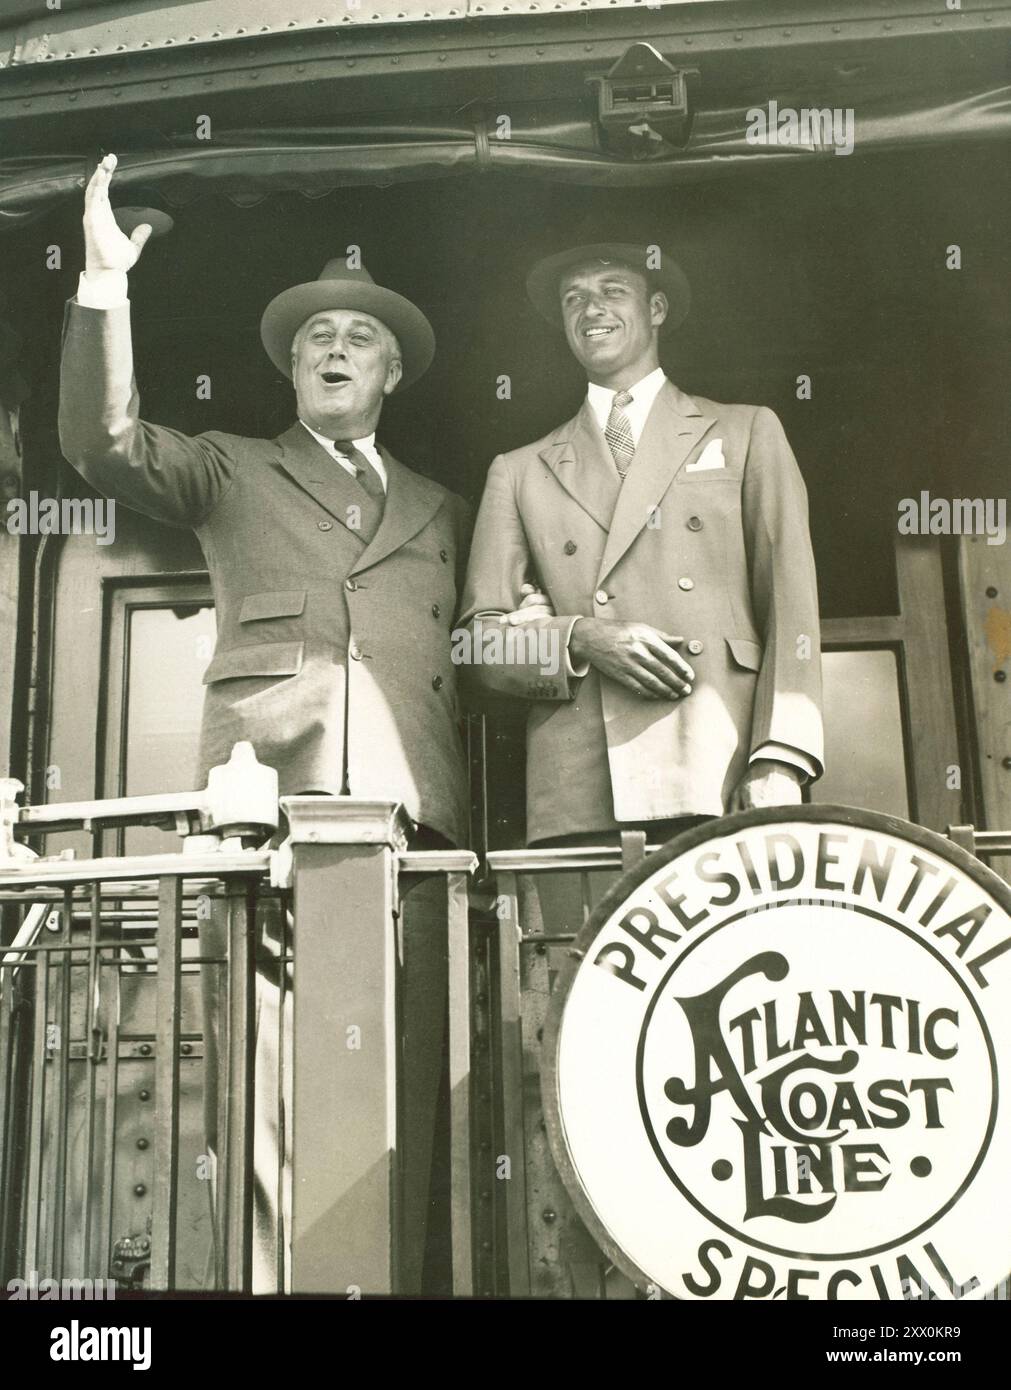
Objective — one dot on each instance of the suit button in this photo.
(696, 647)
(325, 525)
(444, 556)
(436, 682)
(435, 610)
(686, 583)
(351, 585)
(569, 547)
(355, 652)
(695, 523)
(600, 596)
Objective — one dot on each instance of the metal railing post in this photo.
(510, 1042)
(239, 1101)
(166, 1088)
(345, 1176)
(460, 1120)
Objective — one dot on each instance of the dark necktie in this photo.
(618, 432)
(367, 514)
(366, 475)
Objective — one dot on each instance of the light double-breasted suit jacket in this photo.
(707, 539)
(333, 651)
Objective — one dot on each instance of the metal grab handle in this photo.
(13, 955)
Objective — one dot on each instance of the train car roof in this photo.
(318, 94)
(77, 29)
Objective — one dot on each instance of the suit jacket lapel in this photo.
(305, 459)
(581, 461)
(673, 428)
(411, 502)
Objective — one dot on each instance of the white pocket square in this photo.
(710, 457)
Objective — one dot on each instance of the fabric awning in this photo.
(249, 165)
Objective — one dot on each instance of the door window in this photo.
(160, 642)
(865, 751)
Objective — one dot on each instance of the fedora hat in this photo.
(340, 287)
(543, 281)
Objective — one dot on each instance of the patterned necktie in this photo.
(618, 432)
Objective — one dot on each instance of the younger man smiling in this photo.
(670, 536)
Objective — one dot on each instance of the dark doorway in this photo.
(835, 272)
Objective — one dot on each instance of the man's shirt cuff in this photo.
(573, 671)
(783, 753)
(106, 289)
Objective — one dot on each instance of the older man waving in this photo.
(335, 572)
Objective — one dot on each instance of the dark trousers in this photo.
(567, 898)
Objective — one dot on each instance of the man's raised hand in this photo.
(106, 247)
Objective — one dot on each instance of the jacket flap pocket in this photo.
(708, 475)
(263, 659)
(284, 605)
(746, 652)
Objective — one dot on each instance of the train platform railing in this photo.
(984, 844)
(115, 1069)
(541, 899)
(105, 1165)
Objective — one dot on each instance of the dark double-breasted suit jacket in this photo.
(332, 659)
(707, 539)
(333, 647)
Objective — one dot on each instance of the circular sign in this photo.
(772, 1063)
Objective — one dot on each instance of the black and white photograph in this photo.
(505, 624)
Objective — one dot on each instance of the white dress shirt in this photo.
(366, 447)
(105, 289)
(643, 393)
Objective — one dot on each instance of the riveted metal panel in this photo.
(98, 30)
(95, 1183)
